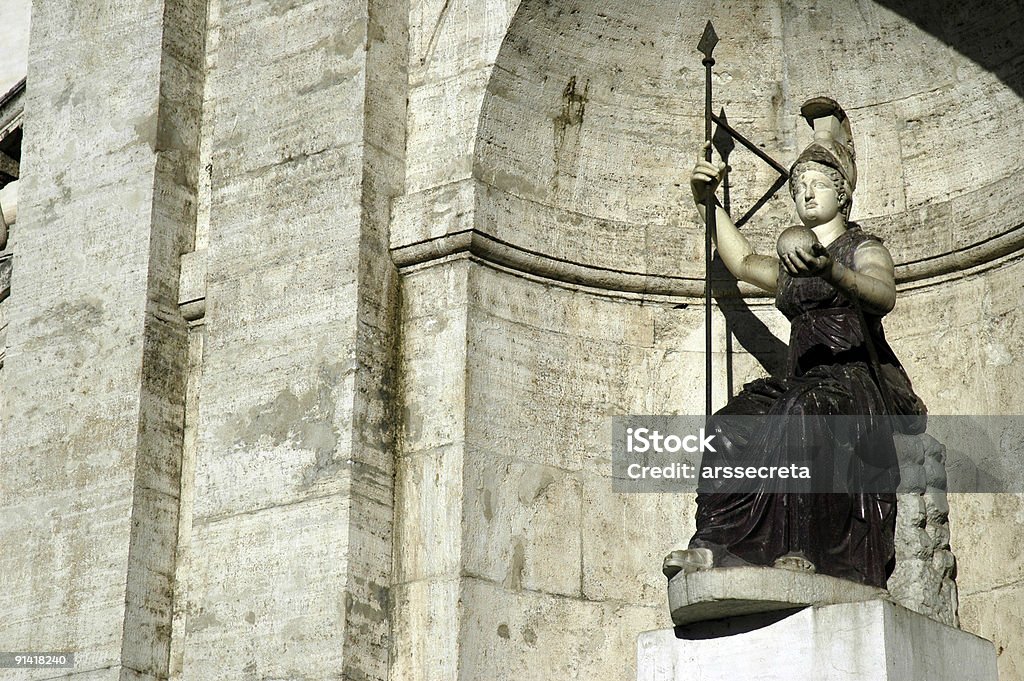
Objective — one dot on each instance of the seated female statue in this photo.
(834, 286)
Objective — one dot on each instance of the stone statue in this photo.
(8, 210)
(835, 283)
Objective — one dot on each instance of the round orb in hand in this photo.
(795, 237)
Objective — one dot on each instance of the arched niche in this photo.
(594, 112)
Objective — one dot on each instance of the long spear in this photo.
(707, 45)
(725, 144)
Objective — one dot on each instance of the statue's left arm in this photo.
(871, 281)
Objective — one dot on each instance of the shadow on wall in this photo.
(593, 111)
(745, 327)
(988, 33)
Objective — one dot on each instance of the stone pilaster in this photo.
(290, 542)
(94, 374)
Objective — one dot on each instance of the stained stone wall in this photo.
(14, 29)
(320, 312)
(14, 25)
(583, 277)
(288, 562)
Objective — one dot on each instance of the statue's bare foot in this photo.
(796, 562)
(687, 561)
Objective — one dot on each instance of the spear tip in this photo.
(722, 139)
(708, 40)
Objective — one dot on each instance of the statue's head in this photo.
(831, 153)
(820, 193)
(805, 174)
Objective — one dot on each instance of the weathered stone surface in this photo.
(514, 528)
(259, 612)
(429, 499)
(577, 137)
(434, 358)
(567, 182)
(14, 30)
(453, 46)
(985, 528)
(94, 372)
(536, 635)
(619, 534)
(428, 630)
(868, 641)
(192, 286)
(996, 614)
(297, 401)
(508, 391)
(458, 431)
(728, 592)
(923, 580)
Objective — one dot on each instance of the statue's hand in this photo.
(801, 263)
(705, 177)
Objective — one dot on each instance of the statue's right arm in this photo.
(734, 249)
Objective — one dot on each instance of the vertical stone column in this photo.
(290, 539)
(94, 380)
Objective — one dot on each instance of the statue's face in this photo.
(816, 198)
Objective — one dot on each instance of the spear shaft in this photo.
(707, 45)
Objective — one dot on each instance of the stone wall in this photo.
(289, 544)
(95, 369)
(512, 547)
(265, 416)
(321, 311)
(14, 28)
(960, 340)
(580, 296)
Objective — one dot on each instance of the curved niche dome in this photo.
(594, 116)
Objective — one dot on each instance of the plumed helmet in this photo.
(833, 138)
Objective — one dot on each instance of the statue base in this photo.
(874, 640)
(732, 591)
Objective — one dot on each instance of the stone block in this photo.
(614, 633)
(880, 192)
(525, 635)
(989, 524)
(257, 611)
(442, 123)
(559, 384)
(286, 446)
(868, 641)
(192, 286)
(623, 536)
(521, 524)
(261, 83)
(931, 118)
(563, 310)
(433, 367)
(427, 631)
(439, 288)
(433, 213)
(729, 592)
(936, 334)
(998, 615)
(81, 536)
(429, 502)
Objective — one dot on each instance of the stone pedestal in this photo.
(867, 641)
(729, 592)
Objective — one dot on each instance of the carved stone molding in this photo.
(192, 286)
(441, 222)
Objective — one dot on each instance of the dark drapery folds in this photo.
(848, 533)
